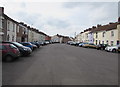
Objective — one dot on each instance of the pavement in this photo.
(62, 64)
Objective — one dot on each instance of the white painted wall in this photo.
(11, 30)
(55, 39)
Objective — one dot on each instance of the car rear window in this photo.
(2, 47)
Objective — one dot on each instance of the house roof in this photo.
(107, 27)
(10, 18)
(62, 36)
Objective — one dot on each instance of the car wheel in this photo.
(114, 50)
(9, 58)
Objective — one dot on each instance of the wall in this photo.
(90, 38)
(107, 37)
(55, 39)
(11, 30)
(118, 27)
(112, 38)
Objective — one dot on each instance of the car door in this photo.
(0, 52)
(3, 51)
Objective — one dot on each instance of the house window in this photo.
(86, 35)
(102, 42)
(118, 42)
(8, 37)
(23, 30)
(112, 42)
(96, 35)
(26, 31)
(112, 33)
(0, 22)
(8, 26)
(107, 42)
(103, 34)
(96, 42)
(99, 41)
(12, 38)
(13, 27)
(18, 29)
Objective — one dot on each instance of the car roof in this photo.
(7, 42)
(4, 43)
(25, 42)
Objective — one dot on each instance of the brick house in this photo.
(47, 38)
(22, 32)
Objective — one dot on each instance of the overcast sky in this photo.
(63, 18)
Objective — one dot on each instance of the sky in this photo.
(61, 17)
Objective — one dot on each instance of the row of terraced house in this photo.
(101, 34)
(11, 30)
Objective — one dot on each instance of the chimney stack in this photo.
(1, 10)
(98, 25)
(110, 23)
(119, 20)
(21, 23)
(94, 27)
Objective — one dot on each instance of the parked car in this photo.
(102, 46)
(69, 42)
(77, 43)
(42, 43)
(34, 46)
(112, 48)
(24, 51)
(36, 43)
(82, 44)
(73, 43)
(27, 44)
(9, 52)
(47, 42)
(89, 45)
(118, 50)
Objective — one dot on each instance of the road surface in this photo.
(62, 64)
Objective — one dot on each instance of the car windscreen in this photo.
(13, 46)
(25, 44)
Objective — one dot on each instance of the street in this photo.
(62, 64)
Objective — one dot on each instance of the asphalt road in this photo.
(61, 64)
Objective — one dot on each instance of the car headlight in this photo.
(25, 49)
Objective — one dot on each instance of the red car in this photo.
(9, 52)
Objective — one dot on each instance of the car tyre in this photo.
(9, 58)
(114, 50)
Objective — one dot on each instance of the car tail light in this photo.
(4, 51)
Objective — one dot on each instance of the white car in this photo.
(47, 42)
(112, 48)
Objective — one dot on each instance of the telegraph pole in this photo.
(74, 36)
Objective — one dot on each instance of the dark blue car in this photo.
(27, 44)
(36, 43)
